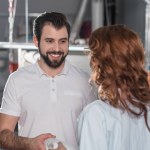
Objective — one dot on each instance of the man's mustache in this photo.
(55, 52)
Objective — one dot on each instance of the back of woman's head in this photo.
(117, 62)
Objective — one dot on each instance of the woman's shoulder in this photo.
(94, 109)
(102, 111)
(96, 105)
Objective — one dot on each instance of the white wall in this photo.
(68, 7)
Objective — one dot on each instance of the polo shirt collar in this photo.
(41, 73)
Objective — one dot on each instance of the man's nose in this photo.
(56, 46)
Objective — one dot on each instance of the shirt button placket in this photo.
(53, 90)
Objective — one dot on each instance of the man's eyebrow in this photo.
(63, 38)
(48, 38)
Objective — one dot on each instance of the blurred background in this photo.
(16, 18)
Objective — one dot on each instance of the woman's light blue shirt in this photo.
(103, 127)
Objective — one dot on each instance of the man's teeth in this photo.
(55, 55)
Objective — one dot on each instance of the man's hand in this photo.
(37, 143)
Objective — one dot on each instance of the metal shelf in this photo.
(30, 46)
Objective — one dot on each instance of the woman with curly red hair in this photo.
(120, 119)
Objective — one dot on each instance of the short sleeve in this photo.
(10, 104)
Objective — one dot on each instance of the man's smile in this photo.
(55, 54)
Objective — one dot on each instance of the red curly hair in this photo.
(117, 62)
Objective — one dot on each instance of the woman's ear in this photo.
(35, 41)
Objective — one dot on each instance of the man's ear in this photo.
(35, 41)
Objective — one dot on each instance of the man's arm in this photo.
(10, 141)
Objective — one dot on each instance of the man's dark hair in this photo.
(58, 20)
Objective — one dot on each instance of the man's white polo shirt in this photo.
(45, 104)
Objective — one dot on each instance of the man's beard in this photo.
(53, 63)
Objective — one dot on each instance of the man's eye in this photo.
(63, 41)
(49, 41)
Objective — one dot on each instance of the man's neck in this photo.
(50, 71)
